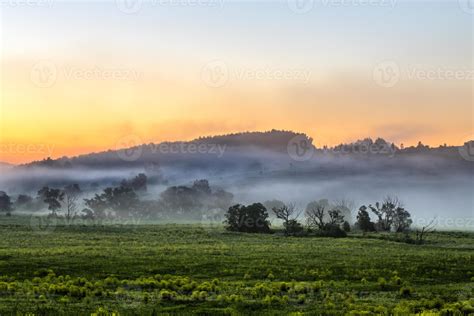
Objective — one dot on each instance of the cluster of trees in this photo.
(6, 205)
(391, 216)
(127, 199)
(200, 196)
(322, 218)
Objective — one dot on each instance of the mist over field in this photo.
(431, 183)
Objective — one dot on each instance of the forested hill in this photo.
(248, 147)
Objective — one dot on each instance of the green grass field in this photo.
(183, 269)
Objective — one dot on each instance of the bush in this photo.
(248, 219)
(293, 228)
(332, 231)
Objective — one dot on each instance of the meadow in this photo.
(198, 269)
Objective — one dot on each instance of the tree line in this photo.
(128, 199)
(321, 218)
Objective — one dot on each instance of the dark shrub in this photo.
(331, 231)
(247, 219)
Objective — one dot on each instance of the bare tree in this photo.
(288, 214)
(335, 217)
(315, 217)
(71, 194)
(420, 234)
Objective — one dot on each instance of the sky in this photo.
(81, 76)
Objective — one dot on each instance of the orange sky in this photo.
(120, 75)
(79, 116)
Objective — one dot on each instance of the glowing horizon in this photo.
(78, 80)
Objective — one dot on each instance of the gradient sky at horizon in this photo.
(180, 69)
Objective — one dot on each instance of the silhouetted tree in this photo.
(52, 197)
(401, 220)
(316, 218)
(391, 215)
(363, 220)
(138, 183)
(335, 217)
(271, 204)
(71, 195)
(121, 200)
(248, 219)
(289, 215)
(199, 196)
(420, 234)
(202, 187)
(6, 205)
